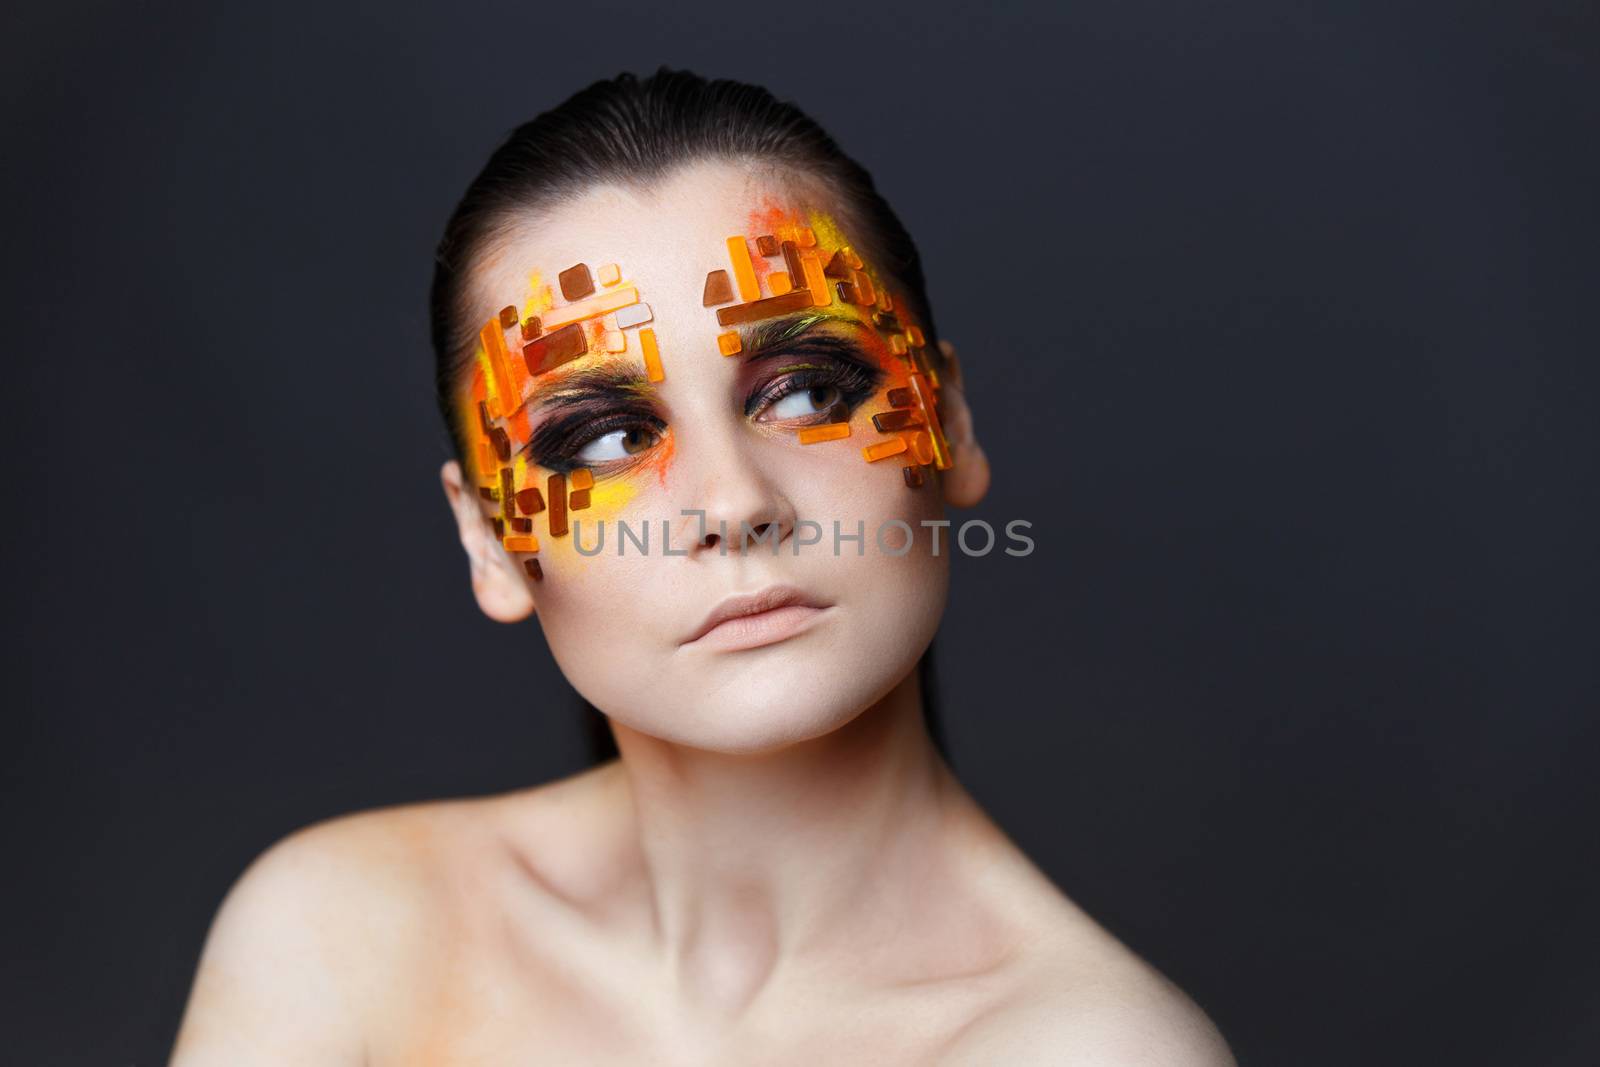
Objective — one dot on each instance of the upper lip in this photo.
(768, 599)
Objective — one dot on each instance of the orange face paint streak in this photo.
(771, 215)
(763, 267)
(821, 235)
(519, 429)
(662, 461)
(494, 381)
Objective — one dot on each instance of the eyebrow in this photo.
(611, 377)
(766, 338)
(615, 378)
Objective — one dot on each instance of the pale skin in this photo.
(780, 868)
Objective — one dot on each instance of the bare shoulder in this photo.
(1069, 992)
(1084, 998)
(1072, 992)
(294, 959)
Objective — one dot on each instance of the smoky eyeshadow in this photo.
(598, 405)
(558, 440)
(828, 360)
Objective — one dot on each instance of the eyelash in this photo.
(854, 382)
(556, 444)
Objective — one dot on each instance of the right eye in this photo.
(804, 402)
(618, 444)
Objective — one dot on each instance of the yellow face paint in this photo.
(791, 263)
(789, 273)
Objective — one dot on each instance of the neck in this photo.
(752, 860)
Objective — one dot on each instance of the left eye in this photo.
(803, 402)
(619, 444)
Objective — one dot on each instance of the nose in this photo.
(734, 505)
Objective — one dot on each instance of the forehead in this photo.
(663, 235)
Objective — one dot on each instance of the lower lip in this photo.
(765, 628)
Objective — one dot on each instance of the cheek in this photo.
(884, 469)
(602, 618)
(611, 499)
(607, 502)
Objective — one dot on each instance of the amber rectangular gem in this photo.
(719, 290)
(792, 263)
(554, 349)
(493, 339)
(867, 293)
(501, 442)
(764, 308)
(652, 355)
(576, 282)
(555, 491)
(890, 421)
(829, 431)
(924, 394)
(588, 309)
(816, 283)
(744, 272)
(884, 449)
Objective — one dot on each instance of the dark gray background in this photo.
(1297, 693)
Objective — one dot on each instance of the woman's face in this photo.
(624, 380)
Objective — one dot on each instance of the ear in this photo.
(967, 480)
(497, 580)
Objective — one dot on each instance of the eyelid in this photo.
(829, 350)
(585, 407)
(769, 336)
(598, 374)
(852, 379)
(556, 443)
(833, 344)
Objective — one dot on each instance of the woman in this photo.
(705, 435)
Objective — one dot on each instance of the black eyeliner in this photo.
(558, 440)
(851, 369)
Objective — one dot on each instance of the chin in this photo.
(755, 700)
(763, 699)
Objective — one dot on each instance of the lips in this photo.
(749, 620)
